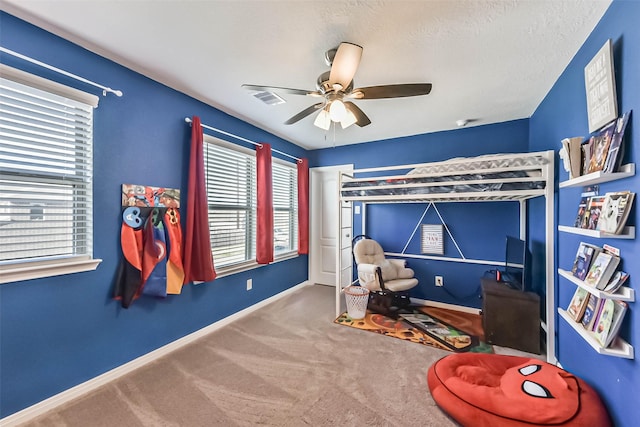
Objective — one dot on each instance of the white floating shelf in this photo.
(624, 293)
(628, 232)
(599, 177)
(619, 347)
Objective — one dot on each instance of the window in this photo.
(46, 177)
(230, 173)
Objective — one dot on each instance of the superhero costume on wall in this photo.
(151, 242)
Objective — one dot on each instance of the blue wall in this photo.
(61, 331)
(478, 228)
(563, 114)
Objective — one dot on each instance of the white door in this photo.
(323, 219)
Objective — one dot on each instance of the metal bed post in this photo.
(550, 258)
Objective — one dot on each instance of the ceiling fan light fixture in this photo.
(337, 111)
(349, 119)
(323, 121)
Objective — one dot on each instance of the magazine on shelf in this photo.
(604, 321)
(594, 208)
(616, 148)
(578, 304)
(599, 146)
(615, 212)
(619, 310)
(590, 312)
(601, 270)
(586, 253)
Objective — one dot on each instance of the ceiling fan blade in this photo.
(361, 118)
(391, 91)
(304, 113)
(282, 90)
(345, 63)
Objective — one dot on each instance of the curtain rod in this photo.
(58, 70)
(188, 120)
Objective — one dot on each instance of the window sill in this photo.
(250, 265)
(40, 269)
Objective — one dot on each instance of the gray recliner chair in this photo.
(388, 280)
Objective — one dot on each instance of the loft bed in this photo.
(484, 178)
(498, 177)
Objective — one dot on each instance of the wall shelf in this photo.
(629, 232)
(599, 177)
(623, 294)
(619, 347)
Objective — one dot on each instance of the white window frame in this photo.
(26, 269)
(251, 263)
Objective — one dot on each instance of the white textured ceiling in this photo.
(488, 60)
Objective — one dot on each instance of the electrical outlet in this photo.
(249, 284)
(439, 281)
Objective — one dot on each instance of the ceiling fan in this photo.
(336, 87)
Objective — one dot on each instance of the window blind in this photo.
(46, 170)
(285, 204)
(231, 194)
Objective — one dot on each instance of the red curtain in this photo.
(264, 244)
(197, 258)
(303, 206)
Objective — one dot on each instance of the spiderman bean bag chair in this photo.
(495, 390)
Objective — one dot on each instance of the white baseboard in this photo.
(446, 306)
(52, 402)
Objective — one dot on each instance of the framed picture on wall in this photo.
(600, 84)
(432, 241)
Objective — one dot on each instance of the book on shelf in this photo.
(586, 253)
(611, 249)
(586, 156)
(616, 148)
(590, 312)
(602, 325)
(615, 212)
(601, 270)
(581, 220)
(619, 310)
(598, 313)
(582, 208)
(578, 304)
(592, 214)
(573, 147)
(616, 282)
(599, 147)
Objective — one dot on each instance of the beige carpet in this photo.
(286, 364)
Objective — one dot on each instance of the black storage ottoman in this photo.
(511, 318)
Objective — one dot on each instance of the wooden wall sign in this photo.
(600, 84)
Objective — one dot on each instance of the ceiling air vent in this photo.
(269, 98)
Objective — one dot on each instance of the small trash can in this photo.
(357, 299)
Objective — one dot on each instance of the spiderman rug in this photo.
(419, 327)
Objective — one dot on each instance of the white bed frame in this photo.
(538, 166)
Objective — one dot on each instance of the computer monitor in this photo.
(517, 259)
